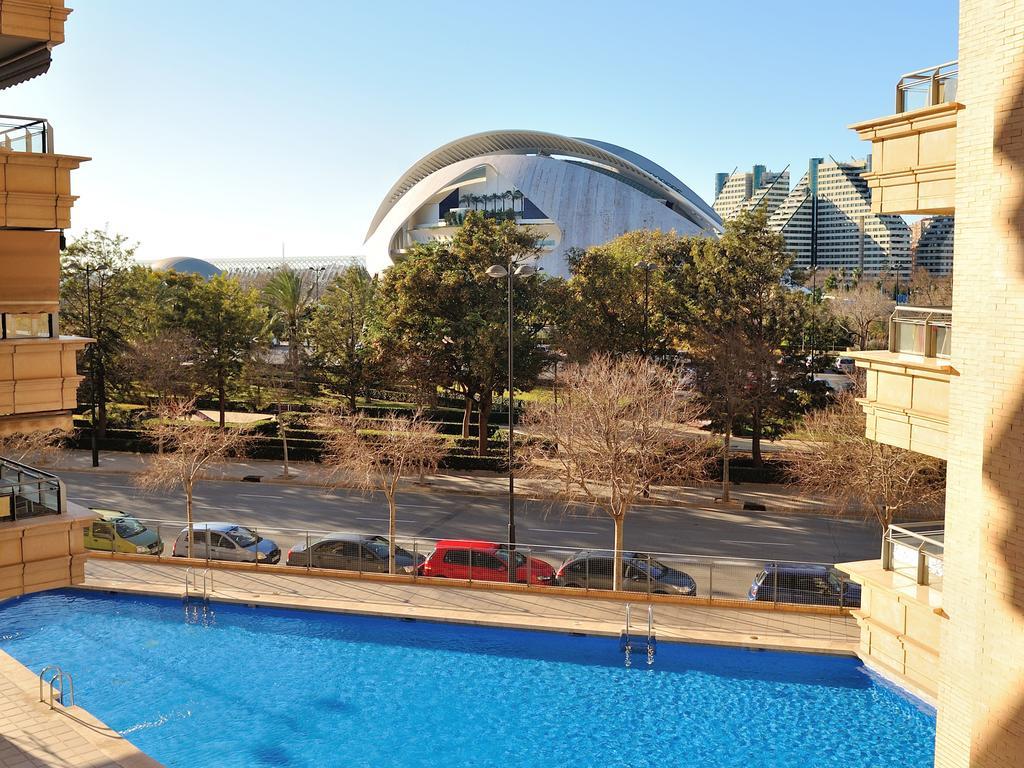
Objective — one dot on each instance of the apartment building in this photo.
(931, 244)
(943, 609)
(828, 222)
(760, 188)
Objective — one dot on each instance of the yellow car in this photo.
(114, 531)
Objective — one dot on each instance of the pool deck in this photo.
(33, 736)
(515, 609)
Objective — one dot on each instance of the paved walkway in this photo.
(33, 736)
(775, 498)
(517, 609)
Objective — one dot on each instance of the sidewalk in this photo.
(775, 498)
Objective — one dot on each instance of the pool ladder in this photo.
(192, 583)
(56, 683)
(626, 639)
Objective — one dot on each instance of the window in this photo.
(219, 540)
(487, 560)
(102, 531)
(601, 567)
(27, 326)
(457, 556)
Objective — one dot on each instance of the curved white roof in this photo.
(633, 167)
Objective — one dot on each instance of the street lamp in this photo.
(646, 266)
(498, 272)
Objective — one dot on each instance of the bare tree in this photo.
(857, 474)
(36, 448)
(615, 431)
(189, 447)
(164, 366)
(857, 309)
(376, 455)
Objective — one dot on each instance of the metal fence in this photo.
(927, 87)
(25, 134)
(27, 492)
(915, 550)
(537, 565)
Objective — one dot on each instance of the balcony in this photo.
(907, 394)
(914, 150)
(28, 30)
(35, 183)
(38, 382)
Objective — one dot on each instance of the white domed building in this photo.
(574, 193)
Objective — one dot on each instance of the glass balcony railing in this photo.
(26, 492)
(25, 134)
(927, 87)
(921, 331)
(915, 550)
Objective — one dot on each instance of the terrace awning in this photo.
(24, 65)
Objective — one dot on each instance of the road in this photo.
(425, 515)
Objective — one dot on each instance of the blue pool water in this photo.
(254, 687)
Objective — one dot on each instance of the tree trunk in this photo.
(755, 438)
(467, 415)
(392, 532)
(619, 521)
(221, 396)
(726, 443)
(484, 410)
(352, 400)
(188, 519)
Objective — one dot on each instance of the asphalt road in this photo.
(273, 508)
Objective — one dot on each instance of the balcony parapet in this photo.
(39, 21)
(35, 189)
(913, 152)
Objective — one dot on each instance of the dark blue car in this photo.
(804, 584)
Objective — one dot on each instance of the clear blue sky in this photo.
(224, 128)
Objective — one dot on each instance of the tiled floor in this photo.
(531, 610)
(32, 736)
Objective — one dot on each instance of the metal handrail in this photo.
(59, 676)
(17, 128)
(26, 478)
(928, 318)
(938, 82)
(906, 536)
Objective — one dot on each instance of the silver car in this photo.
(226, 541)
(353, 552)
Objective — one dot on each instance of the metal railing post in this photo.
(711, 580)
(415, 560)
(922, 566)
(529, 563)
(775, 583)
(309, 555)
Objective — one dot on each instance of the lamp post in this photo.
(646, 266)
(509, 273)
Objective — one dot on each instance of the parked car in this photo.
(115, 531)
(352, 552)
(804, 584)
(226, 541)
(594, 570)
(483, 561)
(846, 365)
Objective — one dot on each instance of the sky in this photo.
(224, 129)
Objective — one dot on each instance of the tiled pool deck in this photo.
(32, 736)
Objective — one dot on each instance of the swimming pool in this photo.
(250, 687)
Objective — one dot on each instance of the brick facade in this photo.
(981, 691)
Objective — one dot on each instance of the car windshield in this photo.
(657, 570)
(127, 527)
(243, 537)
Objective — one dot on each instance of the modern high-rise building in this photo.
(38, 376)
(738, 192)
(943, 608)
(828, 222)
(931, 244)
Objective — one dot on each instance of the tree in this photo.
(617, 296)
(106, 296)
(616, 431)
(189, 447)
(930, 290)
(838, 462)
(164, 365)
(859, 308)
(441, 315)
(225, 320)
(337, 332)
(37, 448)
(376, 455)
(289, 300)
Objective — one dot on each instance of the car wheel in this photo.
(573, 585)
(660, 592)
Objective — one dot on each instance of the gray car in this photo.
(352, 552)
(226, 541)
(640, 573)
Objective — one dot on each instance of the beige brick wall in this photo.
(981, 691)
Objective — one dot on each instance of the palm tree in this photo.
(517, 195)
(493, 197)
(465, 200)
(506, 195)
(289, 300)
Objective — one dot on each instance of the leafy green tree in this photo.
(225, 320)
(106, 296)
(618, 294)
(441, 315)
(337, 332)
(289, 301)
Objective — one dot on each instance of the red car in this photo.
(483, 561)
